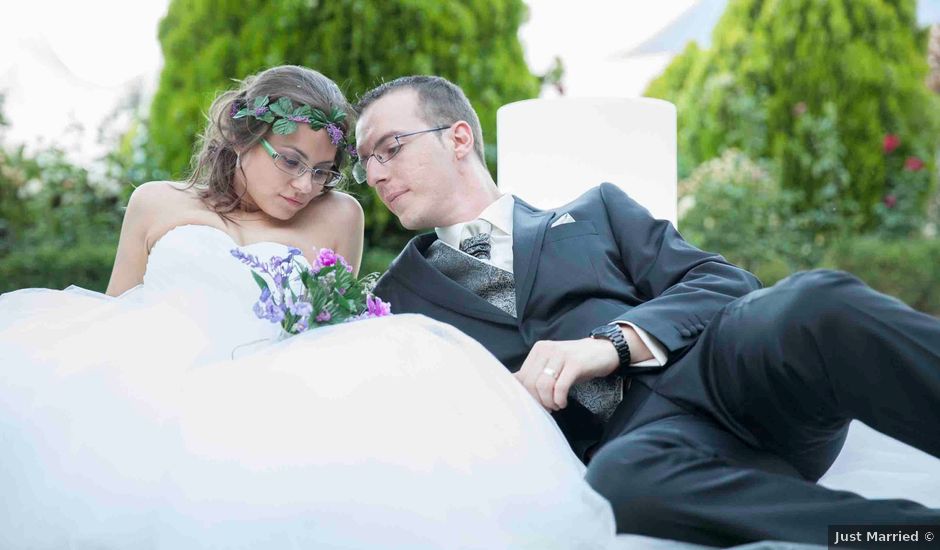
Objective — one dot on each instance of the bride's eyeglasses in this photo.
(384, 151)
(293, 166)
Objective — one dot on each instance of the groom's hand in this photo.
(553, 366)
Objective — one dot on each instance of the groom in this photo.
(705, 407)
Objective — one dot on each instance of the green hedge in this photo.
(815, 86)
(88, 266)
(908, 270)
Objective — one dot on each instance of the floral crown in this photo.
(284, 117)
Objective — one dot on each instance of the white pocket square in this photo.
(566, 218)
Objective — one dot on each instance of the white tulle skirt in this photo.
(132, 427)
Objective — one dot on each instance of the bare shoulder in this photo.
(153, 196)
(158, 206)
(335, 208)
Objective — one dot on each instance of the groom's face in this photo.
(419, 183)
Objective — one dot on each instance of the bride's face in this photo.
(269, 187)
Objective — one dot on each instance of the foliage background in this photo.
(207, 43)
(808, 138)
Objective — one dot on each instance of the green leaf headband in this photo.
(284, 117)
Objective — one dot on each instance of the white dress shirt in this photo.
(499, 216)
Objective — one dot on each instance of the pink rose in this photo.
(891, 142)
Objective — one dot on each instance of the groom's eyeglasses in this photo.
(289, 164)
(384, 151)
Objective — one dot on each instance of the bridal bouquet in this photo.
(300, 297)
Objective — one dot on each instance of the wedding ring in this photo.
(551, 372)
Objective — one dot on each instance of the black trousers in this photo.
(728, 442)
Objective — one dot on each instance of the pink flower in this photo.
(378, 308)
(323, 317)
(890, 201)
(326, 257)
(891, 142)
(913, 164)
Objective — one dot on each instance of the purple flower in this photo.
(247, 259)
(233, 110)
(267, 308)
(300, 308)
(377, 308)
(351, 149)
(323, 317)
(300, 326)
(291, 251)
(297, 118)
(326, 257)
(275, 313)
(260, 111)
(336, 135)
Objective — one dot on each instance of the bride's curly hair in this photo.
(213, 167)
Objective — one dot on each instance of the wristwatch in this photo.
(615, 336)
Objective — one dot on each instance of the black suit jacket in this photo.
(614, 262)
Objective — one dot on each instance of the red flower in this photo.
(913, 164)
(890, 201)
(891, 142)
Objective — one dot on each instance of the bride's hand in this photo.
(553, 366)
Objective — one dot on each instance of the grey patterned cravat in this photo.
(477, 246)
(478, 243)
(498, 287)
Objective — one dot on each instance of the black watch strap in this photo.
(615, 336)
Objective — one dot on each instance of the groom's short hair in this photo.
(441, 103)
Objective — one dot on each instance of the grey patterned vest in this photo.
(600, 395)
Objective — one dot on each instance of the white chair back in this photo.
(552, 150)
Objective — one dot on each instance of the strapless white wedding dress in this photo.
(126, 423)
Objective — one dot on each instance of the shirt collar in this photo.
(498, 213)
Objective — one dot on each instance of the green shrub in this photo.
(733, 206)
(858, 66)
(360, 43)
(87, 265)
(376, 259)
(906, 269)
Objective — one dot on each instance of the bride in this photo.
(127, 424)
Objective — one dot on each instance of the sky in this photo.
(67, 64)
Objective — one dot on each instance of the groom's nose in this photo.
(377, 173)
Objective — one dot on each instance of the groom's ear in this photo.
(463, 139)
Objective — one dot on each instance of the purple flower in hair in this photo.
(260, 111)
(351, 149)
(298, 118)
(336, 135)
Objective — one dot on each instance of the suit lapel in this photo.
(528, 232)
(413, 271)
